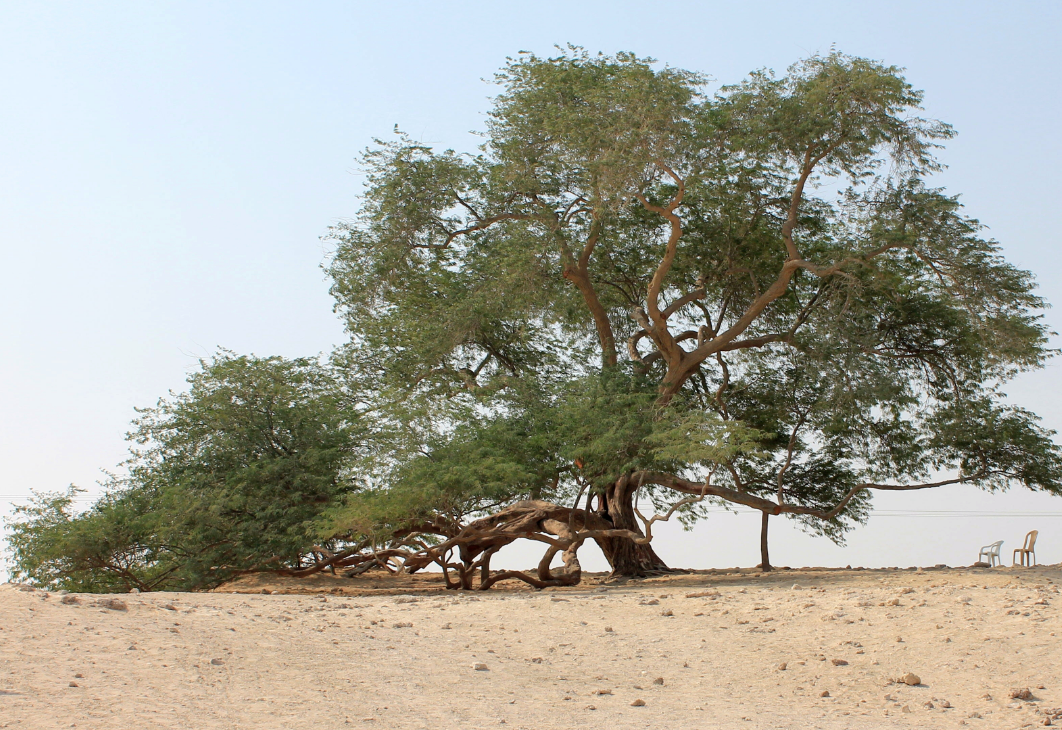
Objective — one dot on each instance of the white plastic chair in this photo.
(992, 553)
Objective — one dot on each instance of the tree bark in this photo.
(626, 558)
(765, 558)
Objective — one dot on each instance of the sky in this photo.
(168, 170)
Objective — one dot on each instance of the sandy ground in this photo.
(700, 650)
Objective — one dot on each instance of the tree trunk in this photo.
(624, 556)
(765, 558)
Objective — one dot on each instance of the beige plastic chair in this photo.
(1027, 551)
(992, 553)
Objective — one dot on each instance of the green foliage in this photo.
(520, 268)
(232, 474)
(629, 278)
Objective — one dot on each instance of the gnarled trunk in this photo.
(626, 558)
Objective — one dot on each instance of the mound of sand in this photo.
(801, 648)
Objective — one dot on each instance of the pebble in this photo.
(70, 600)
(1023, 693)
(667, 612)
(608, 629)
(73, 684)
(781, 667)
(658, 680)
(638, 703)
(824, 693)
(403, 625)
(480, 667)
(217, 662)
(911, 679)
(839, 663)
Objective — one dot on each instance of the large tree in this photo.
(634, 287)
(633, 294)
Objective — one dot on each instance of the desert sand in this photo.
(792, 649)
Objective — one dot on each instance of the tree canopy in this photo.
(634, 292)
(228, 477)
(772, 257)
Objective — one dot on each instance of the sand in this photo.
(699, 650)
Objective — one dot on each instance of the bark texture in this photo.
(626, 557)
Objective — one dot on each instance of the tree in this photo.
(627, 260)
(228, 477)
(633, 294)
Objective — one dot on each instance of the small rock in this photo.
(824, 693)
(217, 662)
(839, 662)
(480, 667)
(796, 587)
(134, 591)
(899, 639)
(447, 626)
(402, 625)
(667, 612)
(906, 708)
(945, 704)
(781, 667)
(603, 692)
(911, 679)
(591, 707)
(170, 607)
(265, 591)
(536, 660)
(658, 680)
(79, 675)
(608, 629)
(928, 705)
(73, 684)
(1023, 693)
(638, 703)
(651, 602)
(112, 603)
(70, 600)
(893, 602)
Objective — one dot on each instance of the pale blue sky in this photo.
(167, 169)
